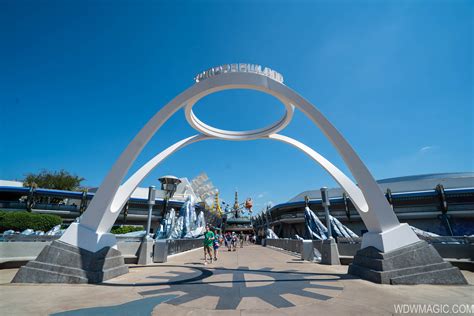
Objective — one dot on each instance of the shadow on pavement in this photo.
(232, 285)
(139, 307)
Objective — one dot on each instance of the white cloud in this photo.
(426, 149)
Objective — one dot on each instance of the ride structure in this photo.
(216, 208)
(235, 221)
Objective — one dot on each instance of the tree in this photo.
(57, 180)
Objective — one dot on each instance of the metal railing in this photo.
(32, 238)
(293, 245)
(181, 245)
(448, 247)
(459, 240)
(344, 240)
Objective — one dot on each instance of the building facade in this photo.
(439, 203)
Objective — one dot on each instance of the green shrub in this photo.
(20, 221)
(125, 229)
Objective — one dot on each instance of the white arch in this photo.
(349, 187)
(385, 231)
(126, 190)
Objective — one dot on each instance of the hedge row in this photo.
(125, 229)
(20, 221)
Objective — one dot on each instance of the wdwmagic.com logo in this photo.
(434, 309)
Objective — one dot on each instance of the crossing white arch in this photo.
(384, 230)
(126, 189)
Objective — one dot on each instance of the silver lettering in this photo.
(273, 74)
(214, 71)
(279, 77)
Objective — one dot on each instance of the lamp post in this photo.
(145, 255)
(326, 203)
(169, 184)
(330, 252)
(151, 251)
(151, 203)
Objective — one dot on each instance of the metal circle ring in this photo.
(206, 129)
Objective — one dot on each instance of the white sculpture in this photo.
(384, 230)
(271, 234)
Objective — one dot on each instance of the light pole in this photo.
(149, 250)
(330, 252)
(169, 184)
(326, 203)
(151, 203)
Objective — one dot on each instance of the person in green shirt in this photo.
(208, 242)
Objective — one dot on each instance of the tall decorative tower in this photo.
(217, 205)
(236, 205)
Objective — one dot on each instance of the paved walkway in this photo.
(252, 281)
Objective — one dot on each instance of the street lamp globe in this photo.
(169, 184)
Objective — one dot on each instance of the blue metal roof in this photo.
(399, 194)
(428, 176)
(70, 194)
(62, 193)
(14, 189)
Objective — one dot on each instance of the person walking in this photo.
(234, 241)
(228, 240)
(241, 239)
(208, 242)
(216, 245)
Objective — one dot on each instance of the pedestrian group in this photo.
(213, 240)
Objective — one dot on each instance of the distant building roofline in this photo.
(406, 184)
(428, 176)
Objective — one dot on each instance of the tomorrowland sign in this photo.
(239, 68)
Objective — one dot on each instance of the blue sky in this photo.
(79, 79)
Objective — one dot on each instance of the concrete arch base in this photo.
(64, 263)
(418, 263)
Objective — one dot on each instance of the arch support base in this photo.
(63, 263)
(81, 256)
(418, 263)
(86, 238)
(391, 239)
